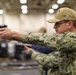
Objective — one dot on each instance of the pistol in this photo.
(3, 26)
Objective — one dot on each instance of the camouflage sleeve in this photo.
(56, 41)
(52, 59)
(39, 39)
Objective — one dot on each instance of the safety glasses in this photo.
(61, 22)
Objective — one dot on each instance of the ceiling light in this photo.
(23, 1)
(1, 11)
(60, 1)
(23, 7)
(25, 11)
(51, 11)
(55, 6)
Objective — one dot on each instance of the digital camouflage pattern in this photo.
(60, 62)
(59, 42)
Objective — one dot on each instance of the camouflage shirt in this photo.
(59, 42)
(60, 62)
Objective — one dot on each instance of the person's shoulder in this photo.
(71, 34)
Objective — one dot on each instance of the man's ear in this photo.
(70, 24)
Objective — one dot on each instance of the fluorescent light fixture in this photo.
(1, 11)
(51, 11)
(23, 1)
(23, 7)
(60, 1)
(55, 6)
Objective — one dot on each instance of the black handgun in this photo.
(3, 26)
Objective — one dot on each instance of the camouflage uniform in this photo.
(60, 62)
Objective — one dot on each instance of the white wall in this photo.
(31, 22)
(49, 26)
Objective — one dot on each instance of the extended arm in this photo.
(51, 60)
(57, 41)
